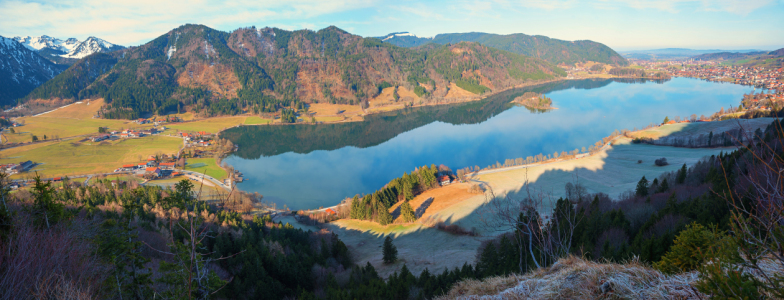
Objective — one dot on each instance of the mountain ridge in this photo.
(264, 70)
(552, 50)
(66, 51)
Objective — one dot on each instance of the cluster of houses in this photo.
(197, 139)
(151, 168)
(127, 133)
(11, 169)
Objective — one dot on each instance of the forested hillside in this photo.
(211, 72)
(552, 50)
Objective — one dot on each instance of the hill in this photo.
(21, 70)
(727, 55)
(777, 53)
(674, 53)
(552, 50)
(212, 72)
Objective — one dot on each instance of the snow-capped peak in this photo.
(396, 34)
(69, 48)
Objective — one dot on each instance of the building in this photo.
(330, 211)
(166, 166)
(155, 171)
(445, 180)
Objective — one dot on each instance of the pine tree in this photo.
(384, 218)
(407, 212)
(681, 178)
(664, 186)
(642, 187)
(389, 251)
(666, 119)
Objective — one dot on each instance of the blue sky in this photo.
(621, 24)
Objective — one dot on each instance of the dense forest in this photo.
(211, 72)
(552, 50)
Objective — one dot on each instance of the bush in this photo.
(661, 162)
(694, 246)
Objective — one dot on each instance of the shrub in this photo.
(661, 162)
(693, 246)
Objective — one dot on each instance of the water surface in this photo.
(308, 166)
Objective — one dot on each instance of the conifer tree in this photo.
(384, 218)
(681, 178)
(642, 187)
(389, 251)
(407, 212)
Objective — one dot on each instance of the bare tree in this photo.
(542, 238)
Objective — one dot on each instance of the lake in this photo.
(309, 166)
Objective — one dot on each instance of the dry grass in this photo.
(457, 92)
(574, 278)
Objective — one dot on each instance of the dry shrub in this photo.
(574, 278)
(56, 263)
(455, 229)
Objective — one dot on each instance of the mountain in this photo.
(213, 72)
(674, 53)
(552, 50)
(21, 70)
(66, 51)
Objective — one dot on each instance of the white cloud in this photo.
(126, 22)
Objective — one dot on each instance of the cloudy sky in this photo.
(621, 24)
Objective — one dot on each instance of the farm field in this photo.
(695, 129)
(253, 120)
(208, 165)
(71, 157)
(75, 119)
(211, 125)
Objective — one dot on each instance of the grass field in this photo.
(208, 165)
(211, 125)
(253, 120)
(72, 120)
(71, 157)
(695, 129)
(328, 119)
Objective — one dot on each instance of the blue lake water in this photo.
(308, 166)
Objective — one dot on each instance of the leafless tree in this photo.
(543, 238)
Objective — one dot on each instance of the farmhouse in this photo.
(445, 180)
(155, 171)
(166, 166)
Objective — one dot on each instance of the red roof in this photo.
(167, 164)
(444, 178)
(152, 169)
(330, 211)
(128, 166)
(151, 159)
(671, 122)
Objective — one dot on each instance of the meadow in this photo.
(207, 166)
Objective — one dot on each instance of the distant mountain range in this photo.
(66, 51)
(676, 53)
(214, 72)
(552, 50)
(21, 70)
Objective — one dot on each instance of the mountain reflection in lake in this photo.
(308, 166)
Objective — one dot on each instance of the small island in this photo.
(534, 100)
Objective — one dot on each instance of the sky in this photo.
(621, 24)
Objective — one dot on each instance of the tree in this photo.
(407, 212)
(681, 177)
(44, 137)
(666, 119)
(389, 251)
(35, 138)
(642, 187)
(11, 130)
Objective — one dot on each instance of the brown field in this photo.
(404, 92)
(443, 197)
(385, 98)
(327, 109)
(456, 92)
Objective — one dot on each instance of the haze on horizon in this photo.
(621, 24)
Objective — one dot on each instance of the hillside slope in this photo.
(552, 50)
(21, 70)
(212, 72)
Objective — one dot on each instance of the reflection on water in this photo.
(307, 166)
